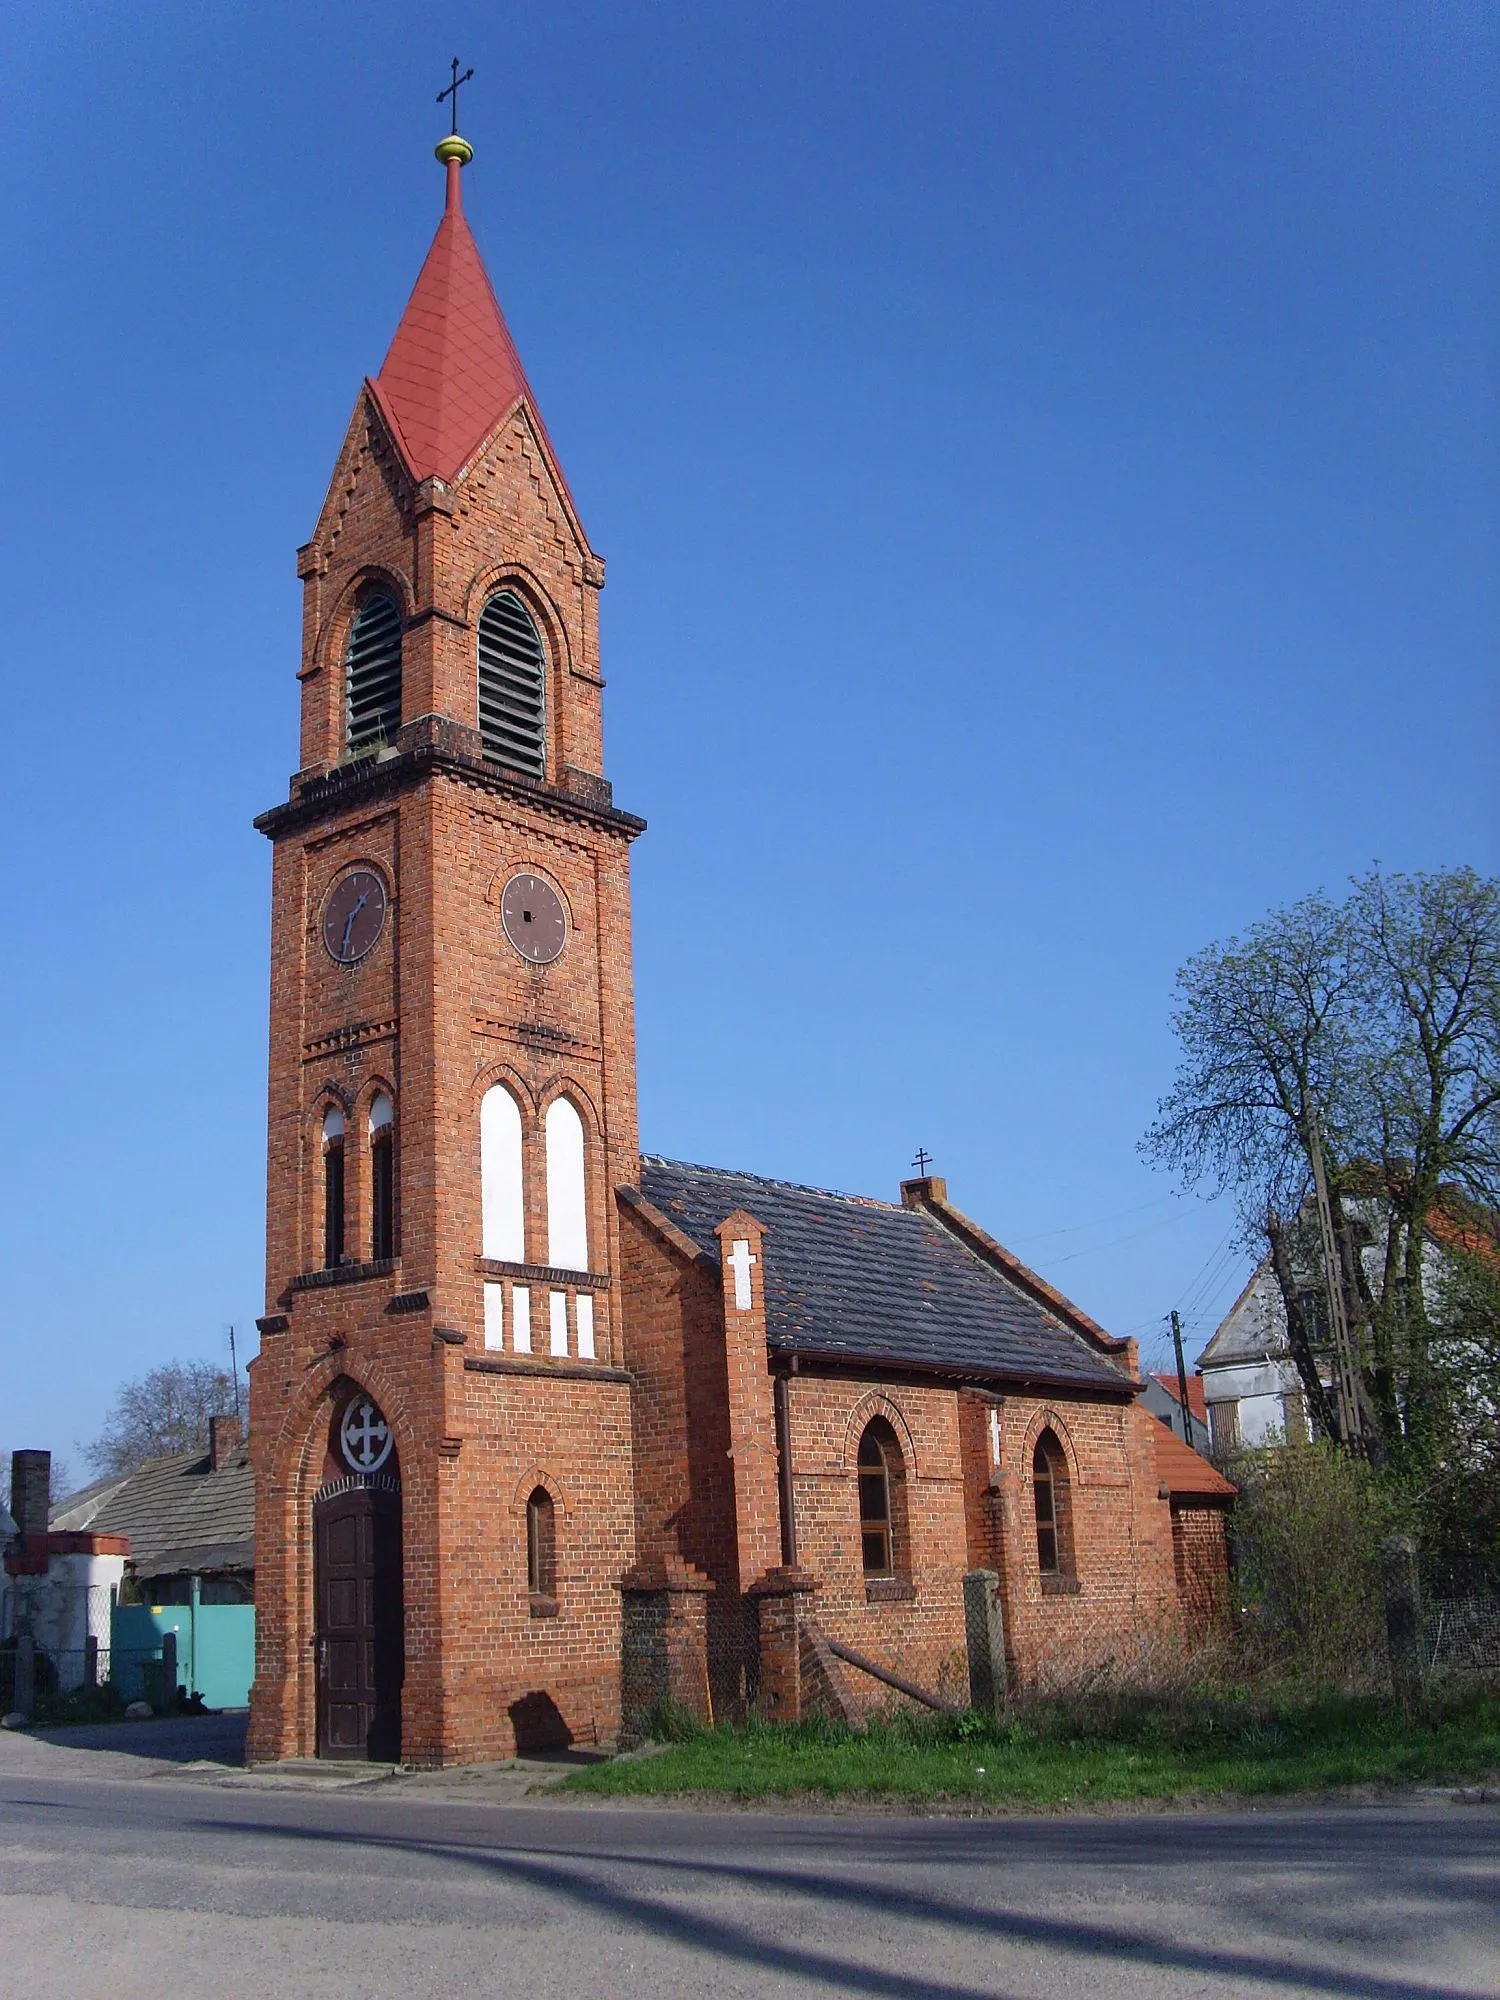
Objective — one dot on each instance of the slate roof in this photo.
(178, 1514)
(847, 1276)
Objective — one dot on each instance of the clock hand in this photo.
(349, 926)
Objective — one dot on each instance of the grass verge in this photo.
(1051, 1758)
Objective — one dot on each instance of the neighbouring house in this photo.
(1251, 1385)
(189, 1519)
(59, 1585)
(1162, 1396)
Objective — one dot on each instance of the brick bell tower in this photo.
(440, 1424)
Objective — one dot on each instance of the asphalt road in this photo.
(162, 1878)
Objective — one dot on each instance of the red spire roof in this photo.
(452, 371)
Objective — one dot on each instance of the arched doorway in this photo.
(358, 1637)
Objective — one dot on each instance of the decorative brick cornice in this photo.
(543, 1274)
(520, 1364)
(345, 1274)
(443, 748)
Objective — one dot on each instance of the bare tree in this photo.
(166, 1410)
(1370, 1028)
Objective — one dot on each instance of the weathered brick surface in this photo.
(440, 1009)
(1200, 1551)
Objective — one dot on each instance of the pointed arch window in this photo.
(1052, 1503)
(372, 675)
(501, 1188)
(541, 1552)
(512, 686)
(333, 1187)
(382, 1177)
(567, 1204)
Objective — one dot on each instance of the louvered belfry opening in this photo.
(372, 675)
(512, 686)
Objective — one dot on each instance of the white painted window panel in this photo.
(520, 1318)
(381, 1112)
(558, 1304)
(502, 1201)
(494, 1315)
(584, 1306)
(567, 1216)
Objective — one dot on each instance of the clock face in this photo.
(534, 919)
(354, 916)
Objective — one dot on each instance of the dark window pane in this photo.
(333, 1204)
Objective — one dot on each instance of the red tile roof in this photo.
(452, 371)
(1183, 1471)
(1197, 1400)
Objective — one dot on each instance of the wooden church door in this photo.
(357, 1575)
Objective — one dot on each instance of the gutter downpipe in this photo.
(780, 1395)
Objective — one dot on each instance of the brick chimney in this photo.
(224, 1434)
(30, 1490)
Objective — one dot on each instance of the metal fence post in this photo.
(169, 1668)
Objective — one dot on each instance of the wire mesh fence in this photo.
(1462, 1633)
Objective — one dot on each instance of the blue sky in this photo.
(1046, 459)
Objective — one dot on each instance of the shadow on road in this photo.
(570, 1872)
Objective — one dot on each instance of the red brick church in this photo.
(545, 1431)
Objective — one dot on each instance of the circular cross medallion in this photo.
(365, 1436)
(354, 916)
(534, 919)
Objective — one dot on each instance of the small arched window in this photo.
(541, 1550)
(372, 675)
(882, 1501)
(1054, 1511)
(333, 1187)
(512, 686)
(382, 1177)
(501, 1189)
(567, 1205)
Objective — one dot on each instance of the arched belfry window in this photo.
(382, 1177)
(372, 675)
(333, 1187)
(501, 1188)
(512, 686)
(1052, 1501)
(567, 1193)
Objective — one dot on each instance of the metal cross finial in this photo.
(923, 1161)
(452, 90)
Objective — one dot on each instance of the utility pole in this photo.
(234, 1374)
(1345, 1379)
(1187, 1415)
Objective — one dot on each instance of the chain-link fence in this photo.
(1461, 1633)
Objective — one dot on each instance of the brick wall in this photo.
(441, 1008)
(1200, 1551)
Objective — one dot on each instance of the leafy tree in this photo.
(1369, 1029)
(166, 1410)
